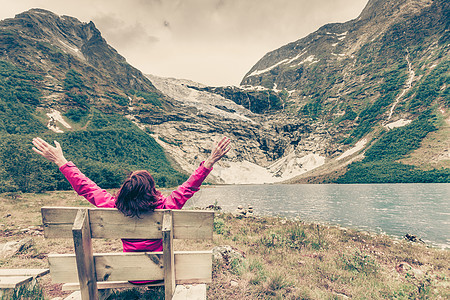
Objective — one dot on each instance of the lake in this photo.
(395, 209)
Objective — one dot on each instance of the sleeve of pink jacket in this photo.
(178, 198)
(86, 187)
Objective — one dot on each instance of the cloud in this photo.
(123, 33)
(211, 41)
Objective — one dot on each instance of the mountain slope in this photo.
(383, 70)
(59, 79)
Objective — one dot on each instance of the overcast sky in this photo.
(214, 42)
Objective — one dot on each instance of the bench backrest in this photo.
(84, 224)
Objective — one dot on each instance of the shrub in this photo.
(76, 115)
(360, 262)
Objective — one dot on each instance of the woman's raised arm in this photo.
(53, 154)
(219, 150)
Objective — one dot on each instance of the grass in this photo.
(282, 259)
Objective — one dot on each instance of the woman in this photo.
(137, 194)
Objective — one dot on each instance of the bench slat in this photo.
(11, 282)
(193, 224)
(191, 266)
(110, 223)
(23, 272)
(104, 285)
(190, 292)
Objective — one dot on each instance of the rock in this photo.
(340, 296)
(9, 249)
(240, 212)
(234, 283)
(226, 254)
(405, 268)
(413, 238)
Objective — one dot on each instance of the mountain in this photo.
(61, 80)
(362, 101)
(382, 79)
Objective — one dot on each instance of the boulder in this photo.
(9, 249)
(226, 254)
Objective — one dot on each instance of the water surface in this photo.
(396, 209)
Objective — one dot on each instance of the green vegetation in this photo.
(393, 80)
(121, 100)
(76, 115)
(18, 93)
(25, 292)
(379, 164)
(105, 156)
(75, 89)
(349, 115)
(149, 98)
(106, 150)
(433, 86)
(73, 80)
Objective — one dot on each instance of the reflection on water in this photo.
(396, 209)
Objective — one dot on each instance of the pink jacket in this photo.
(101, 198)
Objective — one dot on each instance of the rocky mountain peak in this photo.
(381, 10)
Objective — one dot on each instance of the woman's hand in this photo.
(49, 152)
(217, 152)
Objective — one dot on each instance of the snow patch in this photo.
(408, 86)
(358, 146)
(310, 59)
(296, 57)
(55, 116)
(73, 49)
(399, 123)
(253, 88)
(204, 101)
(244, 172)
(258, 72)
(292, 165)
(334, 45)
(275, 88)
(284, 61)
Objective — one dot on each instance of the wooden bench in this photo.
(88, 272)
(11, 279)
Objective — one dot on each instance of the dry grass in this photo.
(283, 259)
(295, 260)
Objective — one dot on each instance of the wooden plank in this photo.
(168, 255)
(104, 285)
(191, 266)
(23, 272)
(193, 224)
(84, 256)
(58, 221)
(11, 282)
(74, 296)
(110, 223)
(190, 292)
(129, 266)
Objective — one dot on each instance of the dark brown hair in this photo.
(137, 194)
